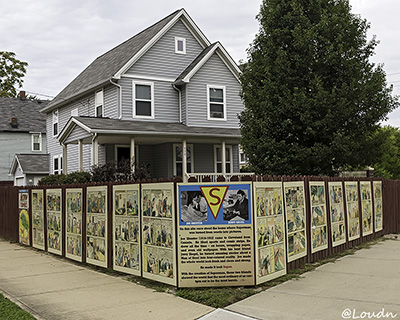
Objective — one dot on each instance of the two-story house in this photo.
(22, 131)
(164, 91)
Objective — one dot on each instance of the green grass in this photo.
(10, 311)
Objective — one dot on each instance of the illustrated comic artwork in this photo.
(295, 220)
(96, 226)
(353, 213)
(319, 236)
(37, 219)
(74, 223)
(54, 220)
(336, 199)
(157, 227)
(378, 205)
(126, 229)
(270, 231)
(23, 220)
(366, 208)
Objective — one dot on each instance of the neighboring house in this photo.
(165, 90)
(28, 169)
(22, 130)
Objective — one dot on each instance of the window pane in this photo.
(143, 92)
(228, 167)
(189, 167)
(143, 108)
(219, 167)
(180, 45)
(216, 95)
(216, 110)
(55, 164)
(99, 111)
(188, 154)
(227, 155)
(178, 153)
(219, 155)
(179, 169)
(36, 146)
(55, 129)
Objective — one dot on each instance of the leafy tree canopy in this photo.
(11, 73)
(313, 98)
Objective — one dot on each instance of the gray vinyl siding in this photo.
(213, 72)
(86, 107)
(166, 101)
(162, 61)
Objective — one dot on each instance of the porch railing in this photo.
(213, 177)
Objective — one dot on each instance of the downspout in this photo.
(93, 138)
(119, 98)
(179, 101)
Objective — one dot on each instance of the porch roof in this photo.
(109, 126)
(31, 163)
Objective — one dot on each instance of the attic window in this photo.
(180, 45)
(55, 122)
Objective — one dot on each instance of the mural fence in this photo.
(202, 234)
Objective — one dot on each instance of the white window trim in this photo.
(190, 146)
(60, 164)
(151, 84)
(99, 103)
(209, 86)
(229, 147)
(177, 39)
(55, 121)
(33, 134)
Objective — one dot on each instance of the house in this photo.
(164, 91)
(22, 130)
(28, 169)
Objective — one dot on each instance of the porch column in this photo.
(223, 157)
(184, 161)
(64, 159)
(80, 155)
(133, 160)
(95, 150)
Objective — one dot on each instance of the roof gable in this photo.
(31, 163)
(115, 62)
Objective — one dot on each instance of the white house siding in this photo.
(161, 59)
(213, 72)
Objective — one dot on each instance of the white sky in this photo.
(60, 38)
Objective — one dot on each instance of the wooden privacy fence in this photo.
(150, 229)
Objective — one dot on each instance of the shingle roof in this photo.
(34, 163)
(116, 126)
(27, 113)
(101, 70)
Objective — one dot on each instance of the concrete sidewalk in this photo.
(54, 288)
(364, 285)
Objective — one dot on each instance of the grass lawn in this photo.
(10, 311)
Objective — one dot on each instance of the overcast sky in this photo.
(59, 38)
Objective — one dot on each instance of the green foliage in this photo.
(313, 99)
(387, 164)
(124, 171)
(71, 178)
(12, 71)
(10, 311)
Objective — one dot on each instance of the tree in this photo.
(387, 164)
(12, 71)
(313, 100)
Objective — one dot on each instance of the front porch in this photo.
(170, 150)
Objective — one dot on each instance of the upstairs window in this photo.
(36, 142)
(55, 122)
(180, 45)
(99, 103)
(143, 100)
(216, 103)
